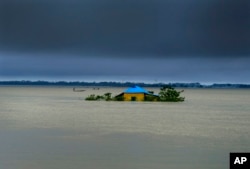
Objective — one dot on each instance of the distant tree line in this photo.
(122, 84)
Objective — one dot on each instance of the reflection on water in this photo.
(54, 128)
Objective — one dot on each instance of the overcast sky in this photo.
(205, 41)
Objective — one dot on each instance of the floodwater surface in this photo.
(55, 128)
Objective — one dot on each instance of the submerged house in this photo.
(137, 93)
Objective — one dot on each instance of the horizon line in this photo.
(122, 82)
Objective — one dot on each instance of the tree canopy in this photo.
(168, 93)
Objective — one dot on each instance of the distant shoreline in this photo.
(120, 84)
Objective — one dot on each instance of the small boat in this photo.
(78, 90)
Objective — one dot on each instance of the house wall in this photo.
(128, 96)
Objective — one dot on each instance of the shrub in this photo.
(91, 97)
(118, 98)
(168, 93)
(150, 98)
(107, 96)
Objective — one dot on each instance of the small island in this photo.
(136, 93)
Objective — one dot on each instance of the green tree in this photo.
(98, 97)
(107, 96)
(168, 93)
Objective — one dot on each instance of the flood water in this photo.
(55, 128)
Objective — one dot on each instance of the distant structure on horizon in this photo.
(137, 93)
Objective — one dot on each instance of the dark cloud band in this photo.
(136, 28)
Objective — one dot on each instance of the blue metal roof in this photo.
(136, 89)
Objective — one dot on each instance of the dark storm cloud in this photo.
(127, 27)
(230, 70)
(211, 27)
(85, 26)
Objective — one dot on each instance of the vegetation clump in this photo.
(93, 97)
(150, 98)
(106, 96)
(169, 94)
(118, 98)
